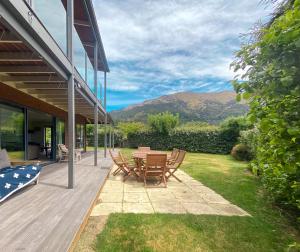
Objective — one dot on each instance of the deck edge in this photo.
(77, 235)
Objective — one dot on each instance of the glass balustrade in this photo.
(53, 16)
(90, 76)
(79, 55)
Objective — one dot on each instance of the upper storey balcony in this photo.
(53, 16)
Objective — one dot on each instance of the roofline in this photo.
(92, 15)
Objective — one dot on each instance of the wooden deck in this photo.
(48, 216)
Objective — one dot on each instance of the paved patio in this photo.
(190, 196)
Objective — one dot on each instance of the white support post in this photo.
(71, 95)
(96, 105)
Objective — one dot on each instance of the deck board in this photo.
(47, 216)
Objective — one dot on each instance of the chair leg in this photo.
(145, 181)
(173, 175)
(116, 171)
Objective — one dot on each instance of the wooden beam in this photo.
(8, 37)
(19, 56)
(46, 92)
(31, 79)
(25, 69)
(82, 23)
(41, 86)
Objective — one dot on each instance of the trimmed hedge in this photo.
(206, 141)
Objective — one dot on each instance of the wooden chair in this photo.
(155, 167)
(172, 167)
(172, 158)
(117, 160)
(144, 149)
(123, 165)
(63, 153)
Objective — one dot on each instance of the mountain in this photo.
(206, 107)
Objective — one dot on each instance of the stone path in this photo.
(190, 196)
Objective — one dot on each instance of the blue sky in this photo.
(158, 47)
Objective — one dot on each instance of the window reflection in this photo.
(12, 131)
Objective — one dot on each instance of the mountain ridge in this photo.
(207, 107)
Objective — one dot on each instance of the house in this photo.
(52, 78)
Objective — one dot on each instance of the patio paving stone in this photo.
(136, 197)
(137, 208)
(107, 197)
(200, 208)
(190, 196)
(168, 207)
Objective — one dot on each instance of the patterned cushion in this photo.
(4, 159)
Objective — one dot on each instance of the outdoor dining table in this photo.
(140, 158)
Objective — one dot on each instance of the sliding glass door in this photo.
(12, 123)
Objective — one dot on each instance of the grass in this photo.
(267, 230)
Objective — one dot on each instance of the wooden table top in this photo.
(143, 154)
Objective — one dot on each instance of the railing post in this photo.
(113, 139)
(85, 67)
(110, 137)
(71, 94)
(105, 120)
(96, 105)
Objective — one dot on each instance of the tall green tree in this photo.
(164, 122)
(271, 83)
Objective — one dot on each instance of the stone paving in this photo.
(190, 196)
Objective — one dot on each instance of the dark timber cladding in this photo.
(32, 63)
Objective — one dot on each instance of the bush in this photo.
(241, 152)
(130, 127)
(249, 138)
(206, 141)
(271, 84)
(163, 123)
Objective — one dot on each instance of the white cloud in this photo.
(165, 46)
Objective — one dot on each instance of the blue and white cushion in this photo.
(13, 179)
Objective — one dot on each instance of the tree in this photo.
(130, 127)
(164, 122)
(272, 86)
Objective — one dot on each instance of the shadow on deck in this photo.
(48, 216)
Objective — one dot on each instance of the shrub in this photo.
(206, 141)
(130, 127)
(241, 152)
(249, 138)
(271, 84)
(163, 123)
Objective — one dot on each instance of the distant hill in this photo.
(206, 107)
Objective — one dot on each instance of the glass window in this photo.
(12, 131)
(60, 132)
(79, 136)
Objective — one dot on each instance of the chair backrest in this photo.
(156, 161)
(174, 153)
(62, 147)
(116, 158)
(180, 157)
(141, 148)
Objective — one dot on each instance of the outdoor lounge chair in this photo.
(123, 165)
(13, 179)
(63, 153)
(141, 148)
(172, 167)
(155, 166)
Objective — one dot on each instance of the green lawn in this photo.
(266, 230)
